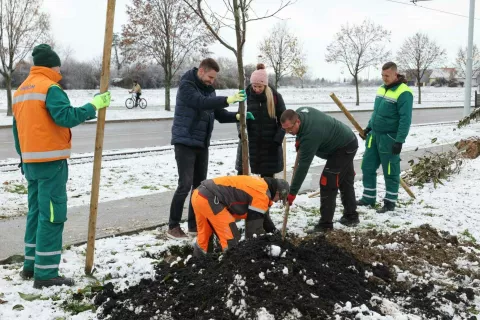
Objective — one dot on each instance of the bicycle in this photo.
(130, 102)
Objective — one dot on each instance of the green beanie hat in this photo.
(44, 56)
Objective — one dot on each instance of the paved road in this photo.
(117, 217)
(157, 133)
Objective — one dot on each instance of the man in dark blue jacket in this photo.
(197, 106)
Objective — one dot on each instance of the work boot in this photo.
(387, 206)
(58, 281)
(26, 274)
(176, 233)
(319, 228)
(363, 204)
(349, 221)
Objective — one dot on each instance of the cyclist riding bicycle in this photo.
(138, 90)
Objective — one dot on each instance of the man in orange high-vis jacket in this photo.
(218, 202)
(42, 120)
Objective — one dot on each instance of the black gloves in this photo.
(365, 133)
(20, 165)
(396, 148)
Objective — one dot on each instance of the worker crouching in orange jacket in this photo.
(218, 202)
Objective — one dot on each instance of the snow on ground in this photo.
(294, 98)
(124, 260)
(157, 172)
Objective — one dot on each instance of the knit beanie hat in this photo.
(259, 76)
(279, 185)
(44, 56)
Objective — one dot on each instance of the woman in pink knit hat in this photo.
(265, 133)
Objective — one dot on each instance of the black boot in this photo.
(58, 281)
(26, 274)
(349, 221)
(363, 204)
(387, 206)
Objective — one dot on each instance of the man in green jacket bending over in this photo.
(323, 136)
(385, 134)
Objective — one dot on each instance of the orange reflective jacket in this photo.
(41, 139)
(238, 193)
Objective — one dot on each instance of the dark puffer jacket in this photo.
(195, 110)
(265, 135)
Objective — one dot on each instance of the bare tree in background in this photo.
(282, 49)
(237, 14)
(417, 54)
(166, 31)
(299, 69)
(359, 47)
(461, 62)
(22, 26)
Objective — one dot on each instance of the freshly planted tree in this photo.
(359, 47)
(22, 26)
(417, 54)
(238, 14)
(282, 49)
(165, 31)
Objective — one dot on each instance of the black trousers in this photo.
(338, 173)
(192, 166)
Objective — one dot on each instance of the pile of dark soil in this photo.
(310, 278)
(313, 279)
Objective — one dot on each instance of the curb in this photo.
(171, 118)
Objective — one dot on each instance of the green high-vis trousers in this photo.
(378, 151)
(47, 213)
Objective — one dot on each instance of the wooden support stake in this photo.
(97, 160)
(287, 206)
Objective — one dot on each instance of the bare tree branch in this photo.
(417, 54)
(359, 47)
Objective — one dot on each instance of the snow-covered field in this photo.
(294, 98)
(155, 173)
(124, 260)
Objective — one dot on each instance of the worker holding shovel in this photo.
(320, 135)
(385, 134)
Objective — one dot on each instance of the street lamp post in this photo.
(468, 75)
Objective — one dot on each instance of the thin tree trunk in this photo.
(241, 81)
(168, 85)
(356, 87)
(419, 93)
(8, 84)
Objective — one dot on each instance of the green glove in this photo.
(101, 100)
(249, 116)
(237, 97)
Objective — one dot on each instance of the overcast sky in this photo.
(80, 25)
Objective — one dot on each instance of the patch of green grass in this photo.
(16, 188)
(474, 311)
(429, 207)
(393, 226)
(113, 252)
(469, 236)
(150, 187)
(77, 307)
(429, 214)
(370, 226)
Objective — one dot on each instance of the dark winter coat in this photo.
(265, 135)
(195, 110)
